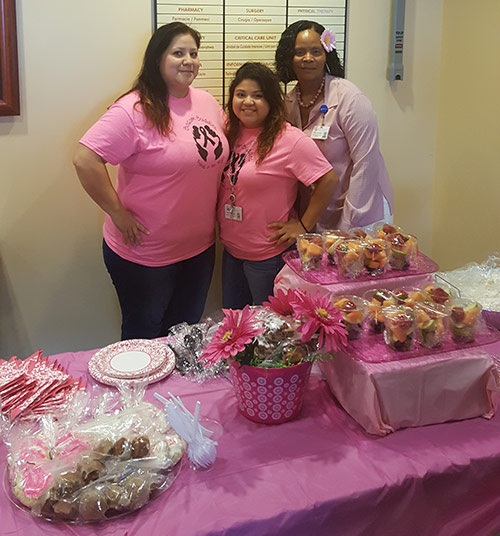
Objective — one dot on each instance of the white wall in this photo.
(55, 293)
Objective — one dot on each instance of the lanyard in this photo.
(320, 132)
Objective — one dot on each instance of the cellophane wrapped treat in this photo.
(187, 342)
(480, 282)
(109, 455)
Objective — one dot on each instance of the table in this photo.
(321, 474)
(429, 389)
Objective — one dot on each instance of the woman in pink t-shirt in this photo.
(259, 186)
(167, 139)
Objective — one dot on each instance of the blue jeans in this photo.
(153, 299)
(248, 282)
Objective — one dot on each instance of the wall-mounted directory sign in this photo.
(233, 32)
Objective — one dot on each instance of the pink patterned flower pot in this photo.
(269, 396)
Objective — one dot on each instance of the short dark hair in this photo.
(152, 89)
(273, 93)
(286, 49)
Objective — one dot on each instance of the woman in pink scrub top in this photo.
(167, 139)
(339, 118)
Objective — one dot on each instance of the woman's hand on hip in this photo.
(286, 232)
(131, 229)
(94, 176)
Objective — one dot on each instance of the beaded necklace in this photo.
(314, 99)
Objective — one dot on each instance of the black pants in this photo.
(153, 299)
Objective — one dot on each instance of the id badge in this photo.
(320, 132)
(232, 212)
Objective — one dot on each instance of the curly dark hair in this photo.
(286, 50)
(273, 93)
(153, 92)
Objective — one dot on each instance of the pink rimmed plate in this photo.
(132, 360)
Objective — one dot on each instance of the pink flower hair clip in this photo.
(328, 40)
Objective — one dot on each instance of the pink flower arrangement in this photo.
(319, 316)
(290, 328)
(232, 336)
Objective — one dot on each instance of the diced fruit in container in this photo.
(464, 319)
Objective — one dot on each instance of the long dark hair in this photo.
(153, 92)
(271, 89)
(286, 49)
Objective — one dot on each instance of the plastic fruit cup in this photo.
(310, 248)
(359, 233)
(353, 310)
(399, 326)
(382, 230)
(431, 323)
(376, 299)
(348, 254)
(403, 250)
(329, 239)
(376, 254)
(464, 316)
(438, 293)
(409, 296)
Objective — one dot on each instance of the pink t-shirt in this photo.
(265, 192)
(169, 183)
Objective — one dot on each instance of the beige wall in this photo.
(54, 290)
(74, 60)
(406, 109)
(467, 178)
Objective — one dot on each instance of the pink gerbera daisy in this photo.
(236, 331)
(319, 316)
(281, 302)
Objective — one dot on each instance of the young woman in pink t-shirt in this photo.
(259, 186)
(168, 141)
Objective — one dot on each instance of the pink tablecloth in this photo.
(435, 388)
(288, 278)
(321, 474)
